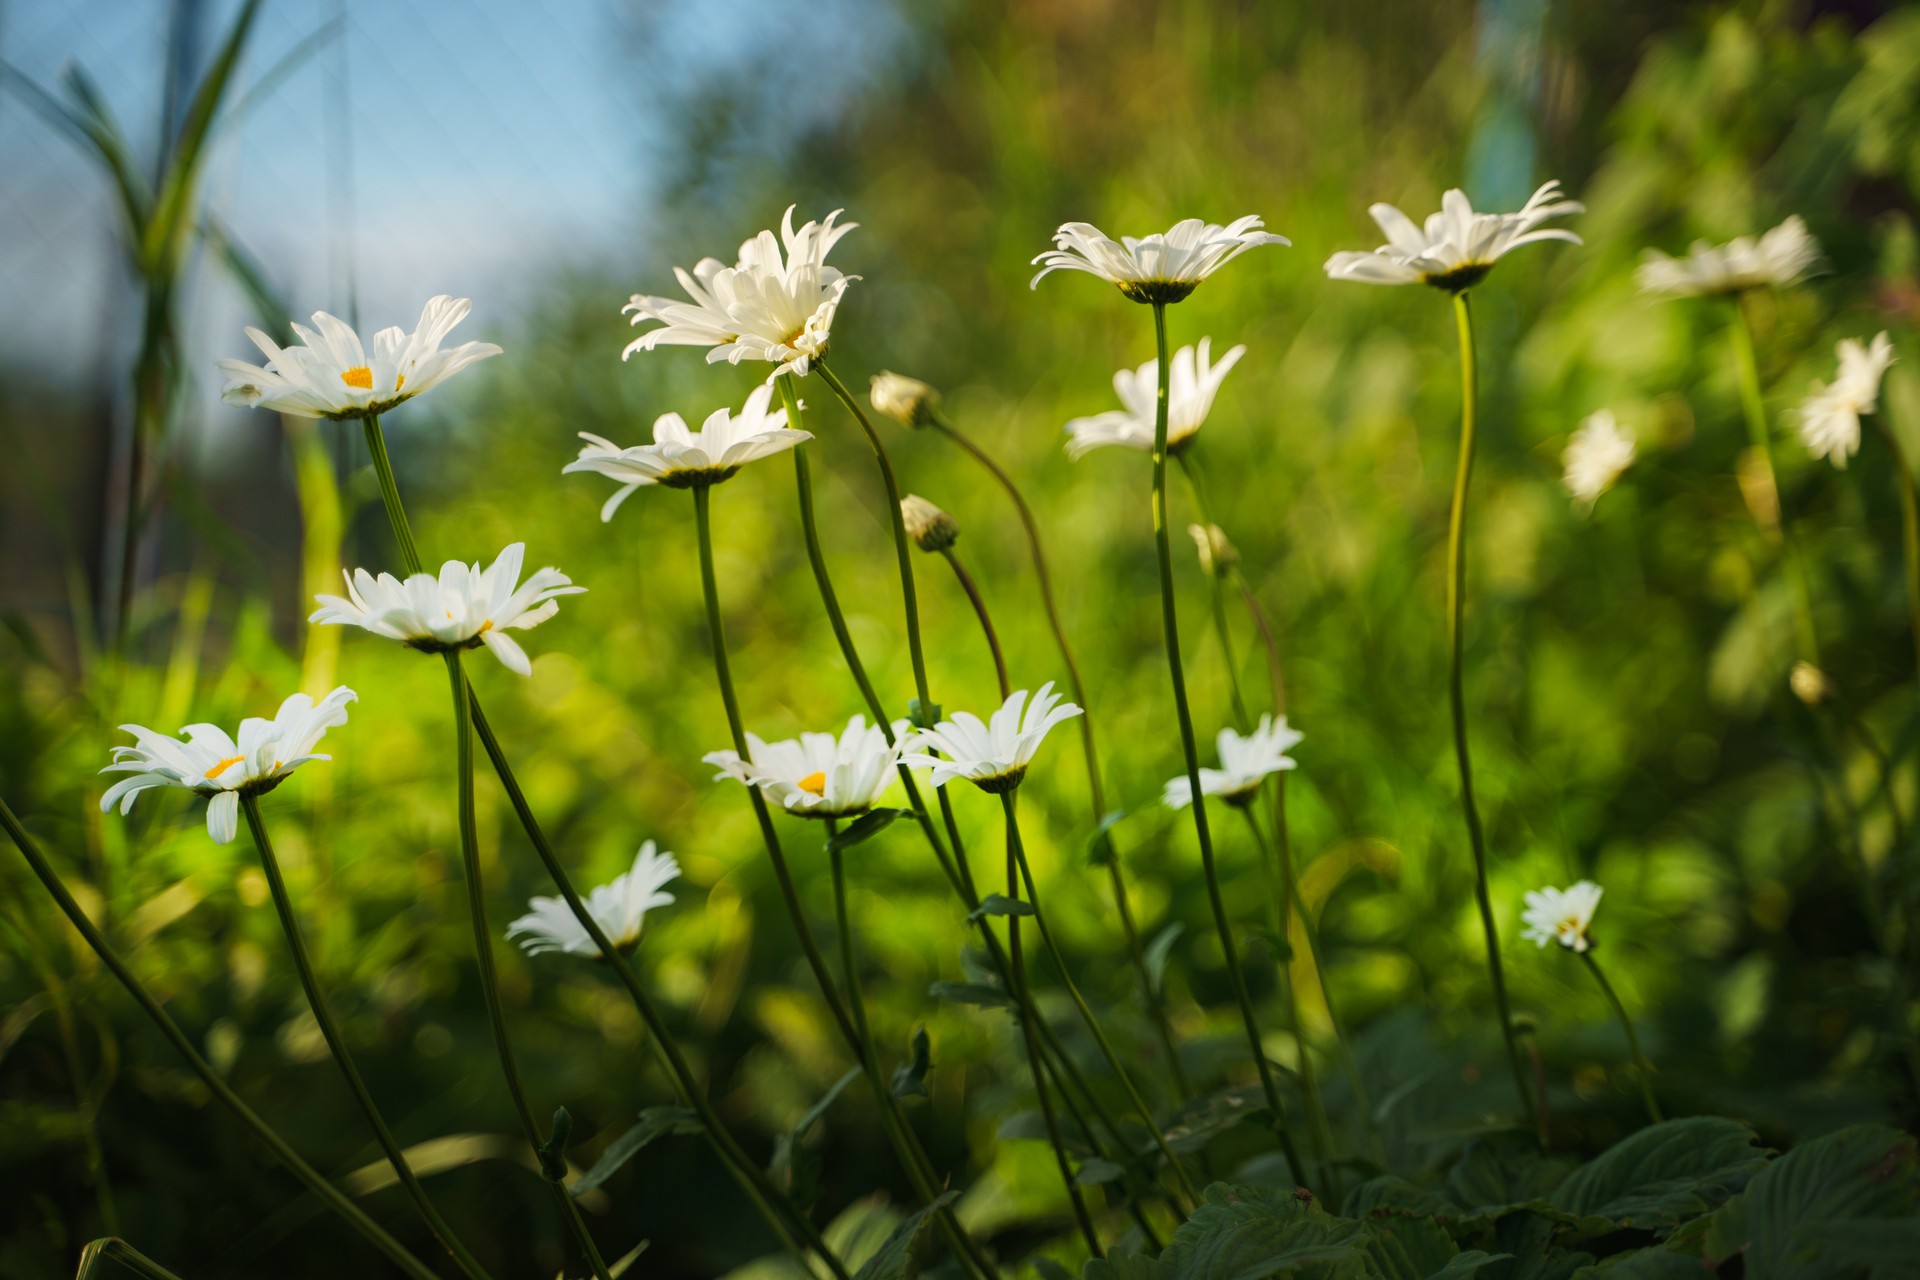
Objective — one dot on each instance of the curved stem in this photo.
(1753, 409)
(1909, 530)
(1136, 952)
(1457, 698)
(1217, 585)
(330, 1031)
(979, 603)
(483, 951)
(390, 495)
(1641, 1066)
(306, 1174)
(1170, 630)
(1026, 1014)
(905, 1142)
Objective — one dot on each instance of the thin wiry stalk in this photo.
(1753, 410)
(1642, 1067)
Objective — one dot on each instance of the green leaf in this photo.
(1100, 844)
(1094, 1171)
(1031, 1126)
(1200, 1120)
(1867, 1173)
(910, 1078)
(922, 719)
(655, 1122)
(978, 993)
(1503, 1174)
(999, 904)
(1247, 1233)
(1646, 1264)
(794, 1168)
(269, 307)
(1157, 952)
(865, 827)
(1049, 1269)
(1655, 1178)
(1392, 1194)
(893, 1260)
(166, 231)
(1418, 1249)
(114, 1249)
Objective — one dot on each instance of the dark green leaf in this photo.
(922, 719)
(1157, 952)
(794, 1168)
(893, 1260)
(999, 904)
(1646, 1264)
(970, 993)
(1502, 1174)
(655, 1122)
(910, 1078)
(1391, 1194)
(1418, 1249)
(1867, 1172)
(1100, 843)
(866, 826)
(1201, 1119)
(1031, 1126)
(114, 1249)
(1664, 1173)
(1094, 1170)
(1246, 1233)
(1049, 1269)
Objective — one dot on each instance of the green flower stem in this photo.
(1909, 530)
(1242, 719)
(789, 1225)
(1170, 630)
(968, 585)
(306, 1174)
(330, 1031)
(1283, 907)
(1753, 408)
(906, 1144)
(112, 1248)
(836, 618)
(1640, 1064)
(390, 495)
(483, 951)
(1149, 993)
(1027, 1015)
(849, 962)
(1457, 697)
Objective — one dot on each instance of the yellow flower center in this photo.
(361, 376)
(223, 766)
(814, 784)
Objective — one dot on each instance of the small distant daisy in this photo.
(619, 909)
(1161, 268)
(1829, 418)
(993, 756)
(464, 608)
(1783, 256)
(221, 768)
(683, 459)
(1562, 915)
(1595, 456)
(817, 775)
(329, 375)
(1245, 763)
(1191, 386)
(776, 303)
(1457, 247)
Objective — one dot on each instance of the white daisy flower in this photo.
(1829, 418)
(212, 764)
(1191, 387)
(993, 756)
(930, 528)
(1562, 915)
(1783, 256)
(619, 909)
(770, 305)
(1160, 268)
(331, 376)
(464, 608)
(817, 775)
(1595, 456)
(908, 401)
(1457, 247)
(1245, 763)
(683, 459)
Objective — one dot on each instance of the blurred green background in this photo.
(1627, 670)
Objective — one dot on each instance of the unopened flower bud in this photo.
(908, 401)
(1217, 555)
(1810, 684)
(930, 528)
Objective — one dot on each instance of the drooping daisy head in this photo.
(1562, 915)
(464, 608)
(1245, 763)
(993, 756)
(775, 303)
(683, 459)
(1457, 247)
(1218, 555)
(330, 375)
(930, 528)
(1829, 418)
(818, 775)
(1194, 380)
(1161, 268)
(1783, 256)
(908, 401)
(620, 909)
(1595, 456)
(223, 768)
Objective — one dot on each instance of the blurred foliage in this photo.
(1627, 670)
